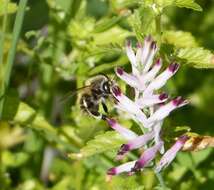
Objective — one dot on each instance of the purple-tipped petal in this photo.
(145, 50)
(146, 157)
(173, 67)
(127, 104)
(149, 76)
(134, 144)
(139, 53)
(132, 58)
(161, 79)
(152, 100)
(151, 54)
(112, 171)
(179, 101)
(122, 168)
(116, 91)
(163, 96)
(126, 133)
(170, 154)
(165, 110)
(128, 78)
(130, 53)
(119, 71)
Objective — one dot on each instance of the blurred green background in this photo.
(64, 42)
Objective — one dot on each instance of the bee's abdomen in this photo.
(89, 104)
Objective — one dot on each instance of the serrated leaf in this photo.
(196, 57)
(11, 7)
(143, 22)
(179, 39)
(190, 4)
(105, 142)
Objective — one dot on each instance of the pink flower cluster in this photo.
(149, 108)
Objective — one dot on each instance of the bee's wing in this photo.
(71, 94)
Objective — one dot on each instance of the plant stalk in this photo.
(11, 55)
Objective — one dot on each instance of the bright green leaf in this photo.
(14, 159)
(196, 57)
(102, 143)
(190, 4)
(179, 39)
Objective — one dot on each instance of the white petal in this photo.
(161, 79)
(149, 60)
(121, 168)
(130, 53)
(145, 51)
(128, 78)
(126, 133)
(152, 100)
(165, 110)
(147, 77)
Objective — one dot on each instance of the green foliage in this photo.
(179, 39)
(190, 4)
(102, 143)
(197, 57)
(7, 7)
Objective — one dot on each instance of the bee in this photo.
(95, 92)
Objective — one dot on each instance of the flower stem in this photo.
(161, 181)
(158, 27)
(11, 55)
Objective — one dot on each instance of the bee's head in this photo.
(107, 86)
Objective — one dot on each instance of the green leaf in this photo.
(179, 39)
(107, 23)
(105, 142)
(107, 66)
(14, 159)
(11, 7)
(143, 22)
(196, 57)
(190, 4)
(11, 103)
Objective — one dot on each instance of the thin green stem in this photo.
(4, 24)
(158, 27)
(160, 179)
(11, 55)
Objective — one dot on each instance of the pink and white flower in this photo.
(149, 107)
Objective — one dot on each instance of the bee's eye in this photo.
(105, 87)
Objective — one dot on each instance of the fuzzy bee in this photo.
(95, 92)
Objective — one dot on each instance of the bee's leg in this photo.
(98, 115)
(104, 106)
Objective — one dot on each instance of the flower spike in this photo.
(148, 108)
